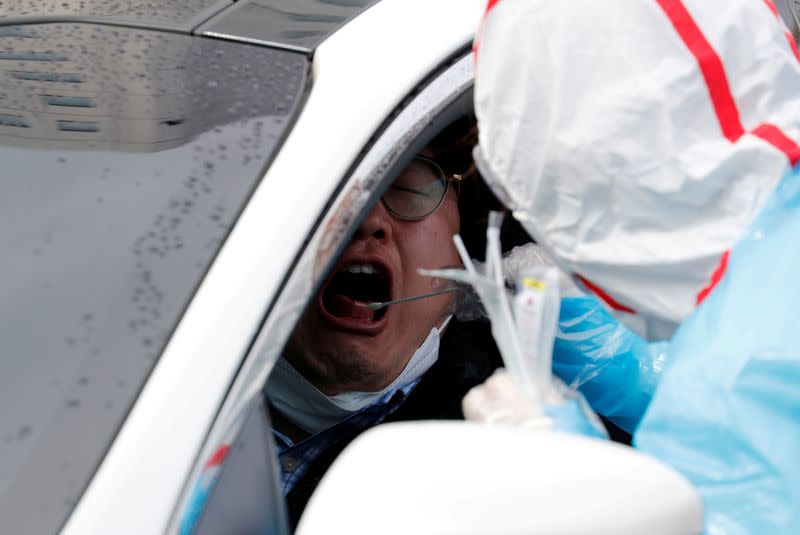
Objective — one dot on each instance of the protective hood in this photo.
(637, 140)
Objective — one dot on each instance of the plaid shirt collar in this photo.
(295, 459)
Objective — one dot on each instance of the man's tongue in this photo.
(345, 307)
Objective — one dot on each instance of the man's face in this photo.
(339, 345)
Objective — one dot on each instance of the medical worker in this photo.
(651, 148)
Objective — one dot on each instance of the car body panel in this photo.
(173, 15)
(298, 25)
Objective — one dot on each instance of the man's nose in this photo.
(377, 224)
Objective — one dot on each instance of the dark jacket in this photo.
(467, 357)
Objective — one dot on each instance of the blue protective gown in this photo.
(720, 401)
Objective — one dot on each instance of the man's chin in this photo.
(340, 362)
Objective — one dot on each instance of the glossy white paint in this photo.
(501, 480)
(360, 74)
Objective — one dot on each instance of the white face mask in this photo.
(314, 411)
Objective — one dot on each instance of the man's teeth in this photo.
(367, 269)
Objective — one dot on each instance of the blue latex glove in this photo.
(615, 369)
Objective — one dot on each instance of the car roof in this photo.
(290, 24)
(284, 23)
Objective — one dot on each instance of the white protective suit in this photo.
(651, 147)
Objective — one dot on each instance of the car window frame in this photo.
(445, 95)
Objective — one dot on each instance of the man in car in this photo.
(347, 368)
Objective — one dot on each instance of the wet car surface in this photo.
(131, 162)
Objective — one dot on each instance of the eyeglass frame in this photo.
(442, 175)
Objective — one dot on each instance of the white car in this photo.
(176, 178)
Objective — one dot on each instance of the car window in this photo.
(127, 156)
(445, 97)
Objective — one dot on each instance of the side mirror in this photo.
(467, 478)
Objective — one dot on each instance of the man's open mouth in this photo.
(353, 287)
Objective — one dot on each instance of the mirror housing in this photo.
(469, 478)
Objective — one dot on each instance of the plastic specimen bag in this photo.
(614, 368)
(524, 365)
(524, 326)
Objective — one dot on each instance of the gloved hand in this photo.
(615, 369)
(500, 401)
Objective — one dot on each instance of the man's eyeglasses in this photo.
(419, 190)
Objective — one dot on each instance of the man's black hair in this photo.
(452, 150)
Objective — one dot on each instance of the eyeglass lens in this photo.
(418, 191)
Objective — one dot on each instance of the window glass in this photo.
(126, 157)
